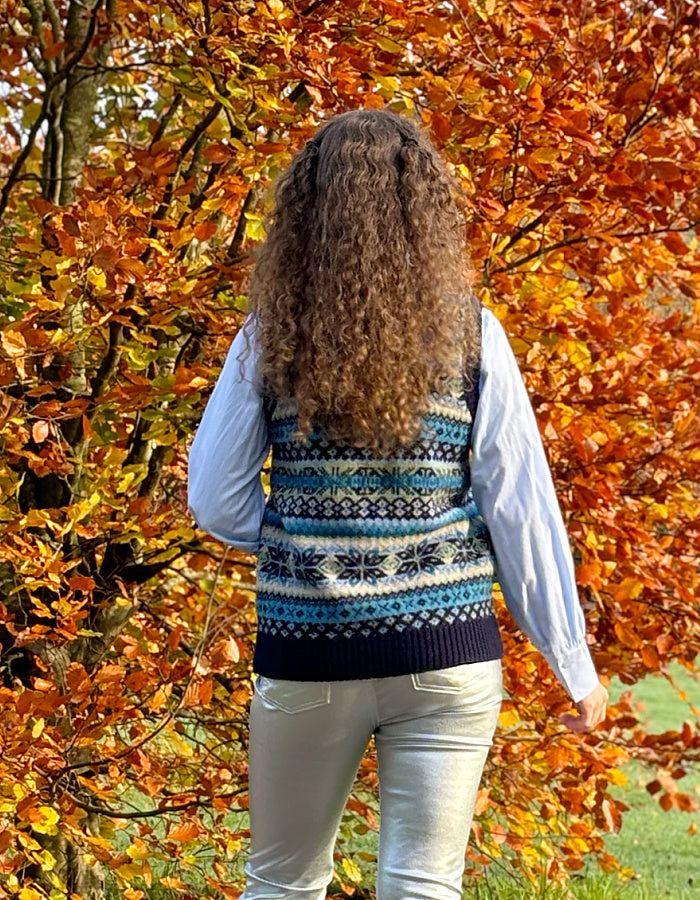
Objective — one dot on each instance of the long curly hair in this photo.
(360, 290)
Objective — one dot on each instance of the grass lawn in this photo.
(658, 844)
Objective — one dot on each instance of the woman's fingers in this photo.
(592, 711)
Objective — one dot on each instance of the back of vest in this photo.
(373, 567)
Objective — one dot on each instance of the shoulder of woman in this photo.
(494, 340)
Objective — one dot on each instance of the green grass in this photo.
(657, 844)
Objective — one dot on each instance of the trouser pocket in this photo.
(292, 696)
(479, 683)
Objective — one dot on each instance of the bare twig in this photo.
(148, 813)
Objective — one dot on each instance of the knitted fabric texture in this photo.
(373, 567)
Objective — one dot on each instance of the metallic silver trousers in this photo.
(432, 732)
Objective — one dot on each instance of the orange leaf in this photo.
(498, 834)
(664, 643)
(435, 26)
(185, 831)
(575, 863)
(442, 127)
(556, 758)
(205, 230)
(81, 583)
(87, 430)
(270, 147)
(534, 95)
(588, 573)
(686, 803)
(650, 657)
(40, 431)
(492, 206)
(109, 673)
(627, 636)
(205, 691)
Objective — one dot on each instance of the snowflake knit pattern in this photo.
(369, 567)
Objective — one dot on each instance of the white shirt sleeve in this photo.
(513, 489)
(225, 495)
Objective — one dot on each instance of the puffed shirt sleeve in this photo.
(225, 495)
(513, 489)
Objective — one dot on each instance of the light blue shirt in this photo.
(511, 483)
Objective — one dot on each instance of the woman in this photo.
(407, 469)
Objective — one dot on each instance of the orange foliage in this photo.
(574, 129)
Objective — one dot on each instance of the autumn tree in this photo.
(137, 144)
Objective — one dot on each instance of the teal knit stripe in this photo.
(446, 596)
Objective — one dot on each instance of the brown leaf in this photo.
(106, 257)
(218, 153)
(674, 242)
(51, 51)
(613, 819)
(70, 225)
(441, 126)
(131, 269)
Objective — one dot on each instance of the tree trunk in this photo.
(72, 110)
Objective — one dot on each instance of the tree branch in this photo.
(643, 118)
(23, 154)
(148, 813)
(36, 58)
(569, 242)
(51, 84)
(165, 120)
(34, 9)
(52, 13)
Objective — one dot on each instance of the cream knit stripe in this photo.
(446, 575)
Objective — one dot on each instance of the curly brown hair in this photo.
(360, 290)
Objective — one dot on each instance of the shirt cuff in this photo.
(246, 546)
(575, 670)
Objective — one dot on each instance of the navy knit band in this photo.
(379, 655)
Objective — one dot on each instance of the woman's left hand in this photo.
(592, 711)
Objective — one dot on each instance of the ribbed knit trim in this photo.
(379, 655)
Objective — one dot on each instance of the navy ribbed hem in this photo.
(378, 655)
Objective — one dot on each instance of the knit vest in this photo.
(373, 567)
